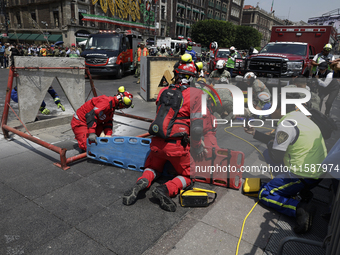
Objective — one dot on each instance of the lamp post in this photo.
(46, 33)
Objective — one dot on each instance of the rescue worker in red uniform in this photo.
(175, 148)
(96, 115)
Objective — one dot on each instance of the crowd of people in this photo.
(9, 50)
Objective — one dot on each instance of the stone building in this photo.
(72, 20)
(178, 16)
(261, 20)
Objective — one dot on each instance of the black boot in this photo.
(130, 196)
(162, 193)
(304, 218)
(305, 195)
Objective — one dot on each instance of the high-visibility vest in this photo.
(320, 56)
(230, 62)
(139, 51)
(43, 52)
(305, 155)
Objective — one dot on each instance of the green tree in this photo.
(247, 36)
(207, 31)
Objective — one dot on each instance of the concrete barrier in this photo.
(33, 84)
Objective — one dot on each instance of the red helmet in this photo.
(185, 71)
(124, 100)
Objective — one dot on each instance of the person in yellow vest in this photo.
(43, 51)
(297, 151)
(230, 65)
(141, 51)
(324, 56)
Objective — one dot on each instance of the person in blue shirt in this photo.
(191, 51)
(2, 53)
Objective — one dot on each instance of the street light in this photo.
(45, 23)
(46, 33)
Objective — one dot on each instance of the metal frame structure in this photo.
(63, 164)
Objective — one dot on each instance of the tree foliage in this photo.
(207, 31)
(225, 34)
(247, 36)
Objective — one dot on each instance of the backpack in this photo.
(326, 124)
(168, 106)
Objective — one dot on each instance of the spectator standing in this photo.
(7, 55)
(141, 51)
(2, 54)
(73, 52)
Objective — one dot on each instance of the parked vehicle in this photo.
(171, 43)
(111, 53)
(291, 50)
(222, 54)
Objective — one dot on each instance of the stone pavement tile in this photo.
(34, 180)
(85, 167)
(129, 127)
(80, 200)
(228, 215)
(15, 146)
(131, 229)
(255, 165)
(204, 239)
(26, 227)
(167, 241)
(72, 242)
(9, 198)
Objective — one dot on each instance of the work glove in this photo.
(199, 152)
(93, 138)
(61, 107)
(44, 110)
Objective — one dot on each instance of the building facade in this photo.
(261, 20)
(72, 20)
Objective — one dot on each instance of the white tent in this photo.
(82, 42)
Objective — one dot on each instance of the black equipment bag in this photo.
(168, 107)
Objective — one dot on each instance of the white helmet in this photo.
(249, 75)
(264, 97)
(220, 64)
(232, 48)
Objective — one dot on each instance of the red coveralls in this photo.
(94, 116)
(171, 149)
(209, 131)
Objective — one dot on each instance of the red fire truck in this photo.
(290, 50)
(111, 52)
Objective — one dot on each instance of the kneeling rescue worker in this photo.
(300, 148)
(169, 142)
(96, 115)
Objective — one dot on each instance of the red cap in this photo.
(73, 44)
